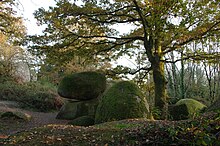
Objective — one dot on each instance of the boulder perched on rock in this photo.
(74, 109)
(82, 86)
(83, 121)
(123, 100)
(192, 106)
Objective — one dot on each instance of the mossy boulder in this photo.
(82, 86)
(178, 112)
(83, 121)
(15, 115)
(191, 105)
(123, 100)
(74, 109)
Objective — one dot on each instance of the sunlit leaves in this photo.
(89, 27)
(11, 25)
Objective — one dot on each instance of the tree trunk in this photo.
(175, 83)
(160, 88)
(182, 73)
(159, 83)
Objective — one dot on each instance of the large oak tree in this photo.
(158, 27)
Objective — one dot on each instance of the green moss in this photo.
(193, 106)
(82, 121)
(82, 86)
(122, 101)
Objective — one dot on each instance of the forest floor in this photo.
(11, 125)
(45, 129)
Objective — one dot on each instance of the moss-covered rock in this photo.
(191, 105)
(83, 121)
(178, 112)
(82, 86)
(15, 115)
(123, 100)
(72, 109)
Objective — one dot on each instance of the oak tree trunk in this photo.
(160, 88)
(159, 80)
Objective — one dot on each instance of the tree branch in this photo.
(196, 57)
(193, 38)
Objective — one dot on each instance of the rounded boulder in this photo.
(123, 100)
(186, 108)
(82, 86)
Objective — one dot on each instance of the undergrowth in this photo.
(31, 95)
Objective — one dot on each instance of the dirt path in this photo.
(38, 119)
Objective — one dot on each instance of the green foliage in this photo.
(156, 113)
(123, 100)
(82, 121)
(203, 130)
(10, 24)
(178, 112)
(82, 86)
(31, 95)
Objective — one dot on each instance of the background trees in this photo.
(10, 24)
(88, 29)
(12, 31)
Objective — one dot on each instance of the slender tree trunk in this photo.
(182, 87)
(175, 84)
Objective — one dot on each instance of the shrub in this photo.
(82, 86)
(178, 112)
(123, 100)
(31, 95)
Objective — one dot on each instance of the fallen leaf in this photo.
(3, 136)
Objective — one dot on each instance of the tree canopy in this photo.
(159, 27)
(10, 24)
